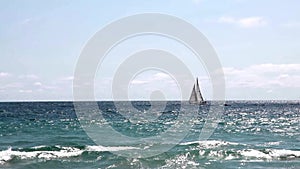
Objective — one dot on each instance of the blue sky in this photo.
(257, 43)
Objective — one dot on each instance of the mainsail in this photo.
(196, 96)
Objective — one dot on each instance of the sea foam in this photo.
(62, 152)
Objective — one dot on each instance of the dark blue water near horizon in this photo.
(250, 134)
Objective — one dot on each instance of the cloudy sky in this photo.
(257, 43)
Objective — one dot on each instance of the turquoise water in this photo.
(250, 134)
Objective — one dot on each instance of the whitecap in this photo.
(181, 161)
(102, 148)
(254, 154)
(210, 143)
(270, 153)
(63, 152)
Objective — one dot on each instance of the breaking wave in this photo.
(54, 152)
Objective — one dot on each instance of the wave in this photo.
(189, 153)
(209, 143)
(252, 154)
(270, 154)
(230, 150)
(190, 160)
(54, 152)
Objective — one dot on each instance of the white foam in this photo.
(271, 143)
(181, 161)
(230, 157)
(254, 154)
(64, 152)
(217, 154)
(270, 153)
(284, 153)
(210, 143)
(5, 156)
(37, 147)
(102, 148)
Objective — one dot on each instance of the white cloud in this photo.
(282, 68)
(37, 84)
(226, 19)
(135, 81)
(4, 74)
(149, 78)
(68, 78)
(143, 86)
(50, 87)
(25, 91)
(10, 85)
(160, 76)
(247, 22)
(30, 20)
(26, 21)
(252, 22)
(28, 76)
(264, 76)
(292, 24)
(197, 1)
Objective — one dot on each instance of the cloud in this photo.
(68, 78)
(252, 22)
(226, 19)
(292, 24)
(135, 81)
(29, 76)
(4, 74)
(143, 86)
(26, 21)
(247, 22)
(37, 84)
(197, 1)
(25, 91)
(160, 76)
(264, 76)
(10, 86)
(32, 87)
(281, 68)
(149, 78)
(30, 20)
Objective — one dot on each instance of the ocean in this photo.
(249, 134)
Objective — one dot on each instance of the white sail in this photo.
(193, 97)
(198, 92)
(196, 96)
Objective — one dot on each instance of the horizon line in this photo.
(16, 101)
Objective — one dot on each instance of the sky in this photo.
(257, 43)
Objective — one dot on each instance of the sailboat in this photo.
(196, 96)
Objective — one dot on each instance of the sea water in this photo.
(249, 134)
